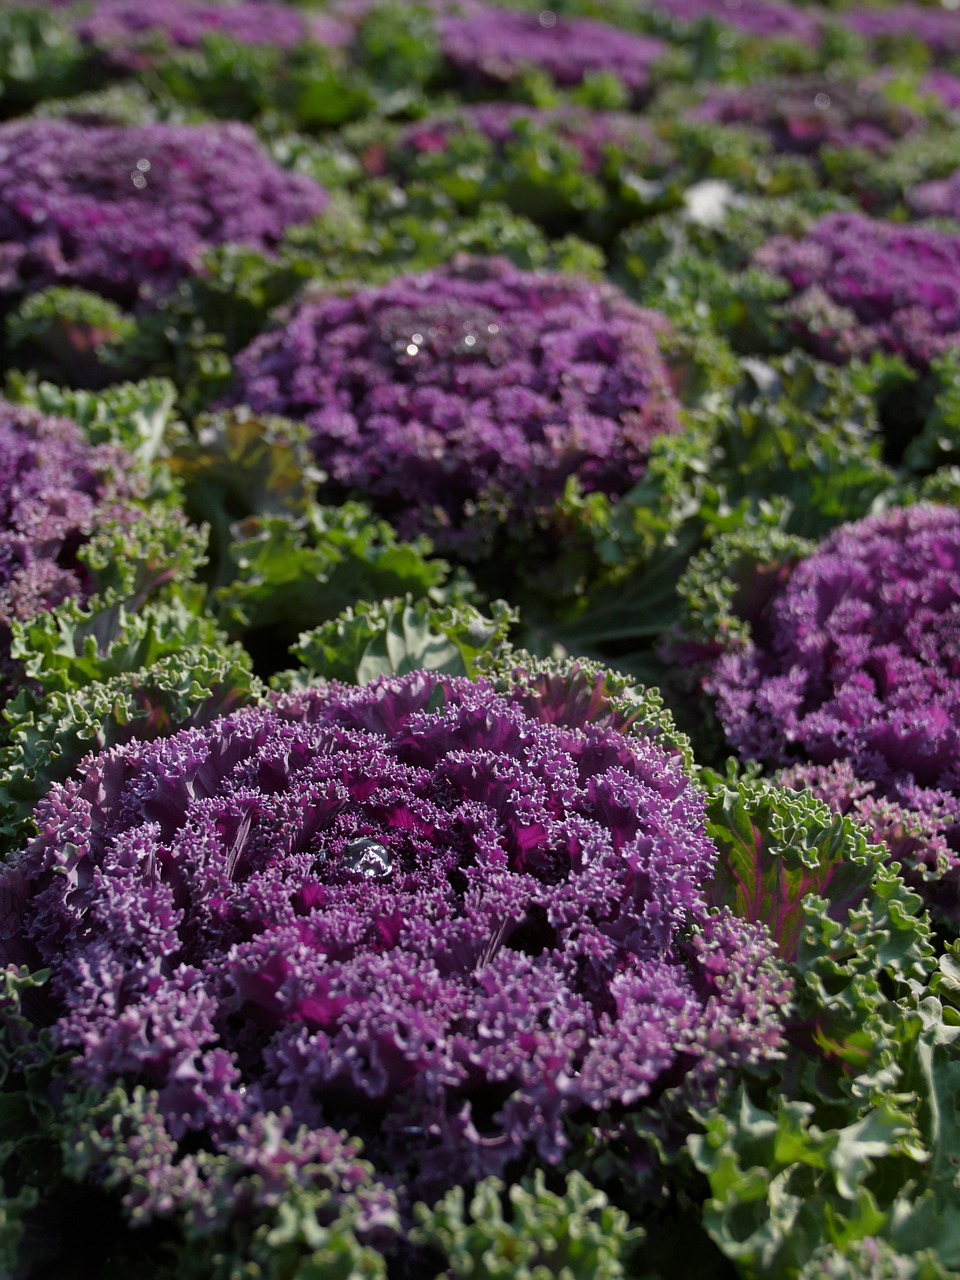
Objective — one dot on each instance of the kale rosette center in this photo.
(411, 910)
(463, 399)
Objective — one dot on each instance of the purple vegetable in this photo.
(938, 28)
(412, 910)
(495, 46)
(945, 87)
(937, 199)
(128, 212)
(864, 285)
(806, 113)
(123, 29)
(857, 660)
(465, 397)
(916, 840)
(55, 490)
(753, 17)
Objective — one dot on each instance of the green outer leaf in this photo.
(395, 636)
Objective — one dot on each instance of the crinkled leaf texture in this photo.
(846, 652)
(418, 909)
(578, 1234)
(397, 636)
(846, 1162)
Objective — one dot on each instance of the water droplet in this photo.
(493, 328)
(469, 340)
(548, 18)
(822, 101)
(413, 349)
(417, 338)
(367, 858)
(138, 180)
(143, 166)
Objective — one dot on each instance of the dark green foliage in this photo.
(38, 59)
(290, 574)
(794, 446)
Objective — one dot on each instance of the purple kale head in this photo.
(936, 27)
(495, 46)
(864, 285)
(129, 212)
(805, 114)
(763, 18)
(464, 398)
(123, 30)
(857, 660)
(937, 199)
(413, 911)
(944, 87)
(55, 490)
(592, 134)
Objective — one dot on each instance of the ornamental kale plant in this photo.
(944, 87)
(806, 113)
(123, 31)
(851, 657)
(129, 212)
(55, 489)
(463, 399)
(937, 199)
(495, 46)
(861, 284)
(453, 921)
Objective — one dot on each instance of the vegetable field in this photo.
(479, 640)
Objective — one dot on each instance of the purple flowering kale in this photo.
(863, 284)
(763, 18)
(806, 113)
(55, 490)
(121, 28)
(495, 46)
(590, 133)
(412, 910)
(128, 212)
(916, 840)
(944, 87)
(856, 659)
(936, 27)
(465, 397)
(937, 199)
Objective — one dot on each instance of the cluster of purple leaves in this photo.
(917, 841)
(120, 29)
(465, 397)
(803, 114)
(127, 212)
(495, 46)
(938, 28)
(55, 490)
(763, 18)
(591, 133)
(937, 199)
(945, 87)
(412, 910)
(863, 284)
(857, 660)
